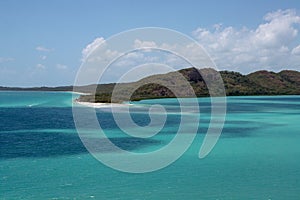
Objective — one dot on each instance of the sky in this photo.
(43, 43)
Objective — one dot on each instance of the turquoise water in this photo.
(42, 157)
(35, 99)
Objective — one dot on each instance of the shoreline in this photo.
(101, 105)
(106, 105)
(79, 93)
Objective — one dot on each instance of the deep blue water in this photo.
(42, 156)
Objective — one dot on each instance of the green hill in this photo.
(286, 82)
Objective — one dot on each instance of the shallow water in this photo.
(42, 156)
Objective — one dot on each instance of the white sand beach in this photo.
(102, 105)
(80, 93)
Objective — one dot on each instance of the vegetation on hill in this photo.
(286, 82)
(187, 83)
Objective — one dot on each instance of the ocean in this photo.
(256, 157)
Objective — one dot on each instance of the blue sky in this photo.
(42, 41)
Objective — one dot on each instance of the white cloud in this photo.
(270, 45)
(135, 58)
(61, 66)
(91, 47)
(129, 59)
(98, 55)
(6, 59)
(44, 49)
(279, 29)
(43, 57)
(296, 50)
(144, 44)
(40, 66)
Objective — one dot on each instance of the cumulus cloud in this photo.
(91, 47)
(61, 66)
(43, 49)
(296, 50)
(271, 45)
(40, 66)
(144, 44)
(279, 29)
(104, 57)
(5, 59)
(43, 57)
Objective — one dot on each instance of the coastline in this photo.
(101, 105)
(79, 93)
(107, 105)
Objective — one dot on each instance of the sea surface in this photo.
(256, 157)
